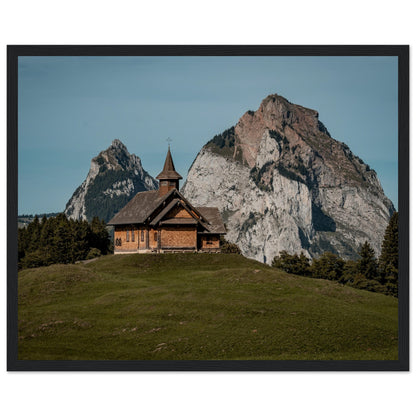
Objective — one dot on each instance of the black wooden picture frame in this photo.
(400, 51)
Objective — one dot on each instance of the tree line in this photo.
(368, 272)
(61, 240)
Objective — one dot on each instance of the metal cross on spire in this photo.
(169, 140)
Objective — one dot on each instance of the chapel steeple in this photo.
(168, 178)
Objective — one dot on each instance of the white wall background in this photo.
(192, 22)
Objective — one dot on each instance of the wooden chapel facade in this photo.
(165, 221)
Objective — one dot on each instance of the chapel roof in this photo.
(215, 222)
(138, 208)
(143, 204)
(168, 171)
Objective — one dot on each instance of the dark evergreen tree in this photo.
(43, 221)
(62, 240)
(46, 233)
(33, 230)
(349, 272)
(47, 239)
(99, 237)
(81, 235)
(367, 264)
(22, 243)
(328, 266)
(389, 258)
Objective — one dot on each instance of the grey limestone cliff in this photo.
(282, 182)
(115, 176)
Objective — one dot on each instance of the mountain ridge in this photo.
(283, 183)
(114, 177)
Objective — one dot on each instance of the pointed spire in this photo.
(169, 166)
(169, 171)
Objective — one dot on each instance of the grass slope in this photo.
(194, 307)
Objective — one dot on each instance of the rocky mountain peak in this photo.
(118, 144)
(304, 146)
(278, 115)
(117, 157)
(115, 176)
(279, 111)
(283, 183)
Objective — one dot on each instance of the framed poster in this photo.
(208, 208)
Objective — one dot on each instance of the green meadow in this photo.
(197, 307)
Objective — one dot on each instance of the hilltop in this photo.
(197, 306)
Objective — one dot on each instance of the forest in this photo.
(368, 272)
(61, 240)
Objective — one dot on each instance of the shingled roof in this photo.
(213, 216)
(137, 210)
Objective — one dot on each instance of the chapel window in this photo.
(142, 236)
(132, 235)
(127, 236)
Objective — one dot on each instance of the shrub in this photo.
(361, 282)
(391, 285)
(229, 248)
(295, 264)
(275, 135)
(257, 176)
(36, 258)
(225, 139)
(289, 174)
(93, 253)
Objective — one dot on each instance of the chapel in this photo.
(165, 221)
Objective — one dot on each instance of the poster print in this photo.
(208, 208)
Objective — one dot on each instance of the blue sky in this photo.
(71, 108)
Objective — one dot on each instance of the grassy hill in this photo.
(197, 307)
